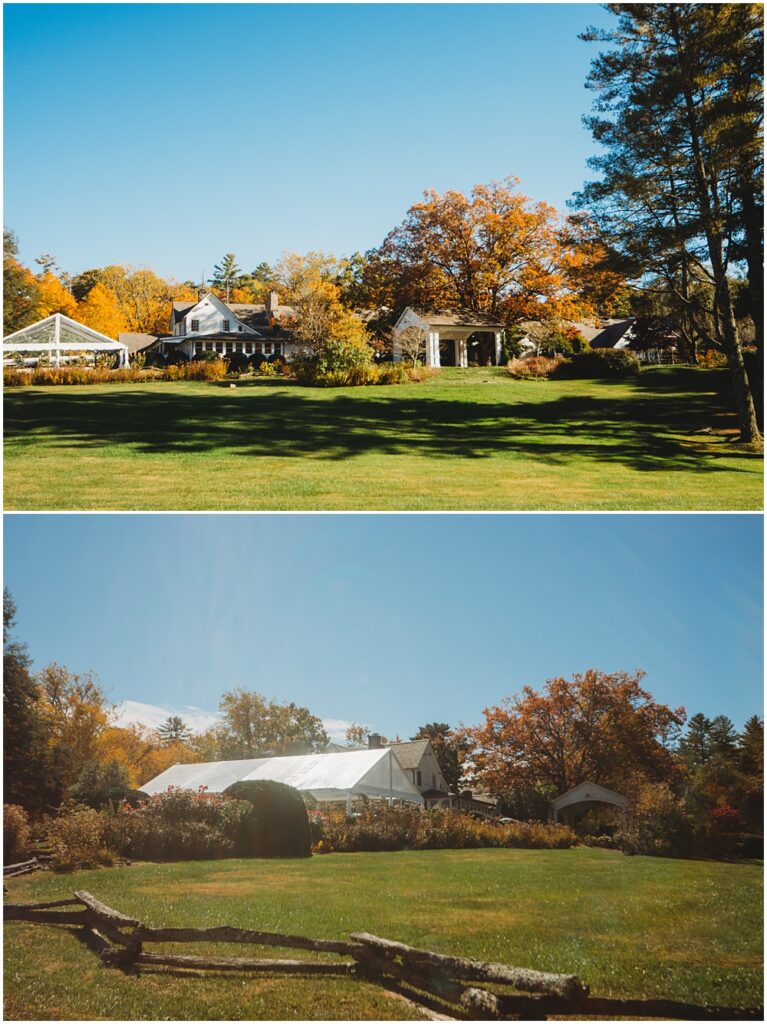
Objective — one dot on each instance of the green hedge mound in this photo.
(280, 825)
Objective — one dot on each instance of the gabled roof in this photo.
(136, 342)
(335, 776)
(252, 315)
(588, 791)
(410, 754)
(459, 318)
(606, 334)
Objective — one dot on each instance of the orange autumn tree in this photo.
(596, 727)
(140, 752)
(495, 250)
(54, 297)
(101, 311)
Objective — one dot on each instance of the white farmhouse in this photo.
(211, 325)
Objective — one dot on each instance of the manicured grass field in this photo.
(634, 927)
(469, 439)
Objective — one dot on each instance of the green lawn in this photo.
(469, 439)
(634, 927)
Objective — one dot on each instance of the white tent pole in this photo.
(57, 338)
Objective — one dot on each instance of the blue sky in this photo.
(392, 620)
(166, 135)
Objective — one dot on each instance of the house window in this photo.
(195, 325)
(225, 326)
(278, 349)
(219, 346)
(258, 347)
(418, 778)
(267, 348)
(240, 329)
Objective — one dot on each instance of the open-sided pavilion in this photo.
(62, 339)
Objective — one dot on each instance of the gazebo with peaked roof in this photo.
(581, 797)
(61, 337)
(449, 334)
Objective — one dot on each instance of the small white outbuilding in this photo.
(581, 798)
(61, 339)
(336, 777)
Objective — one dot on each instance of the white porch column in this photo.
(461, 352)
(498, 347)
(432, 349)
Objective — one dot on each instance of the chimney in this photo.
(375, 741)
(272, 304)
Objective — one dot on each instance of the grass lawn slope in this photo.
(629, 926)
(469, 439)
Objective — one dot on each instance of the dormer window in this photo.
(225, 326)
(240, 329)
(195, 325)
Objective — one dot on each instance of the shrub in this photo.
(14, 377)
(17, 835)
(661, 826)
(389, 373)
(416, 374)
(712, 359)
(179, 825)
(533, 367)
(380, 827)
(337, 363)
(266, 369)
(76, 839)
(203, 369)
(282, 821)
(599, 362)
(238, 363)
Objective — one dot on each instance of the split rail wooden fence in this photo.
(458, 987)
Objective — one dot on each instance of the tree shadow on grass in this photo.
(647, 424)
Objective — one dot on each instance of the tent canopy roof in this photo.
(336, 776)
(60, 331)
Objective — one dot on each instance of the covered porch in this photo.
(452, 337)
(576, 801)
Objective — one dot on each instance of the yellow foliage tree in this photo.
(101, 311)
(75, 712)
(142, 296)
(140, 753)
(54, 298)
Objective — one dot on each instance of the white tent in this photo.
(337, 777)
(61, 337)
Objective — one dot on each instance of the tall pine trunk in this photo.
(707, 201)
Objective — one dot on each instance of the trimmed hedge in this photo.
(281, 826)
(599, 362)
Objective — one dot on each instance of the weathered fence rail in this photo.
(24, 867)
(420, 974)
